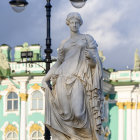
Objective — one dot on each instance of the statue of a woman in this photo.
(74, 105)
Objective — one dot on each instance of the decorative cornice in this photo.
(35, 127)
(129, 105)
(133, 105)
(10, 128)
(23, 96)
(107, 87)
(124, 88)
(36, 87)
(120, 105)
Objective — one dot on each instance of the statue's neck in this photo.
(73, 34)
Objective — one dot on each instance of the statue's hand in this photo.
(89, 56)
(61, 54)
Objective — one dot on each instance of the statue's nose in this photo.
(74, 24)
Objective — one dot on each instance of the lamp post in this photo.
(19, 6)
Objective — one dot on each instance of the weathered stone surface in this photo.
(74, 105)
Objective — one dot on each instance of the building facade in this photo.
(127, 89)
(22, 101)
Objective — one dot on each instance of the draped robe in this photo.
(73, 106)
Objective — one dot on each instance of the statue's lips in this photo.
(74, 29)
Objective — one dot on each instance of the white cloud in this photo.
(115, 24)
(112, 24)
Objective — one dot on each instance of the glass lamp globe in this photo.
(78, 3)
(18, 5)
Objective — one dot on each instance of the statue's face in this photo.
(74, 25)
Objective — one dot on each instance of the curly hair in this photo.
(74, 15)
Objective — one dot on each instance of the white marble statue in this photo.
(74, 105)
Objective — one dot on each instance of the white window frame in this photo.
(12, 134)
(37, 135)
(30, 111)
(5, 94)
(40, 123)
(37, 101)
(12, 102)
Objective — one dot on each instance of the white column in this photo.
(129, 121)
(23, 95)
(23, 121)
(121, 121)
(138, 119)
(134, 122)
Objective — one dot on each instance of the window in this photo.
(37, 135)
(37, 100)
(18, 66)
(11, 136)
(12, 101)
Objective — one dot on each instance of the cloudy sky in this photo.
(114, 24)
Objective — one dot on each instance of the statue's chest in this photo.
(75, 45)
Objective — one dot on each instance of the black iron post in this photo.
(48, 51)
(47, 134)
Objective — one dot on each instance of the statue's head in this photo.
(74, 21)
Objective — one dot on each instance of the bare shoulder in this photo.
(62, 43)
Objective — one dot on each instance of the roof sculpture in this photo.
(4, 65)
(136, 60)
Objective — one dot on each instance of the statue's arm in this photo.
(48, 76)
(91, 52)
(59, 61)
(91, 42)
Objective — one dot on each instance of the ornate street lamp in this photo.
(78, 3)
(19, 6)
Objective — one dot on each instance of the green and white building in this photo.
(22, 101)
